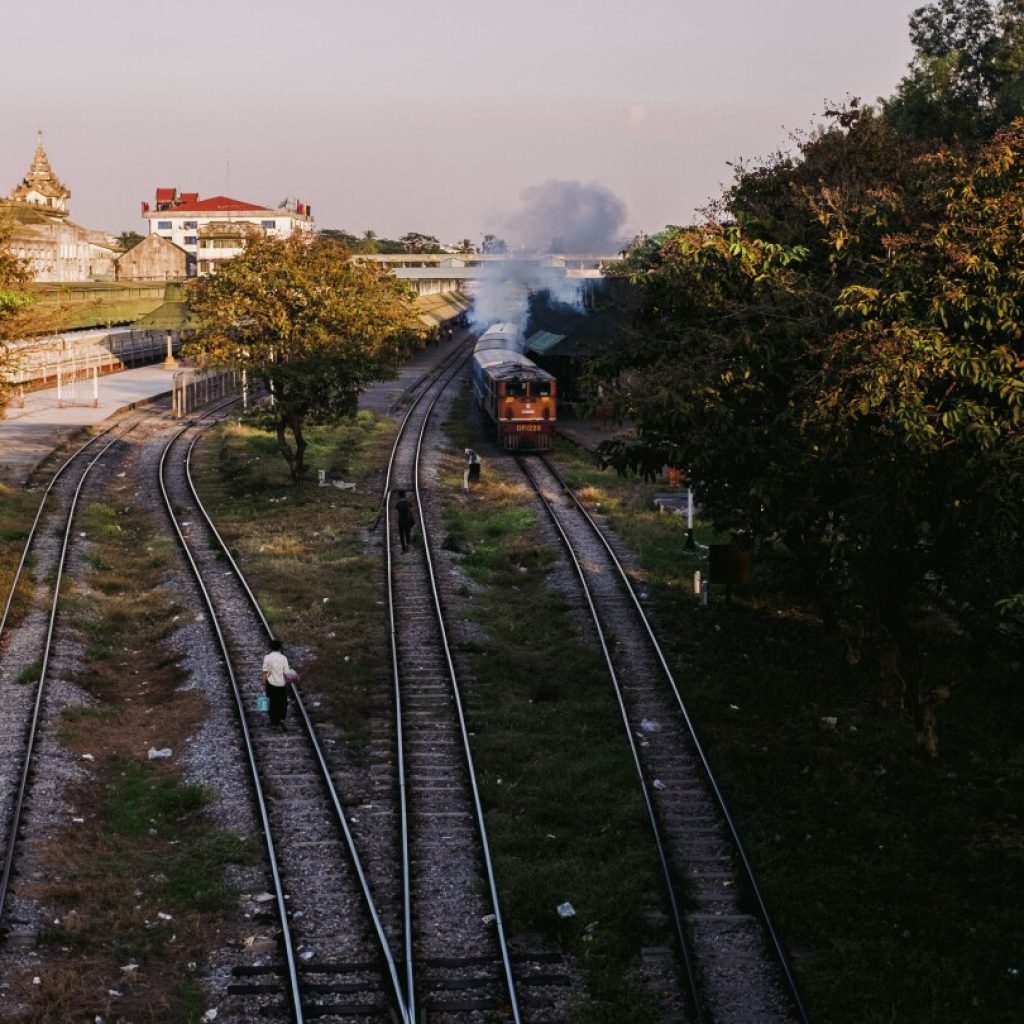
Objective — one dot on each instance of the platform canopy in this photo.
(543, 341)
(434, 310)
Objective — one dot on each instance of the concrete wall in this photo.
(153, 259)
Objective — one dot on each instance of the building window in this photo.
(163, 225)
(190, 239)
(269, 223)
(190, 225)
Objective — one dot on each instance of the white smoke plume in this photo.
(564, 217)
(568, 217)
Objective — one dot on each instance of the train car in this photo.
(501, 337)
(515, 393)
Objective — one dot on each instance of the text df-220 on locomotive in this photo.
(516, 393)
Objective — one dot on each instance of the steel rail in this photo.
(310, 730)
(431, 375)
(35, 523)
(748, 870)
(685, 952)
(14, 819)
(463, 727)
(403, 793)
(293, 979)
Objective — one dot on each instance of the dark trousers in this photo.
(278, 697)
(404, 534)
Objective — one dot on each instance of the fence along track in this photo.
(428, 769)
(271, 765)
(18, 805)
(676, 749)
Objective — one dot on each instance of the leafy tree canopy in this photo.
(967, 75)
(371, 242)
(415, 241)
(842, 369)
(128, 239)
(314, 327)
(21, 316)
(493, 245)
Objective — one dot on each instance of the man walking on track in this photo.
(406, 519)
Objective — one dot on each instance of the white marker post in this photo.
(690, 544)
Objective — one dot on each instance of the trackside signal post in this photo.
(170, 363)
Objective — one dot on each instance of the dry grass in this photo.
(17, 509)
(886, 870)
(143, 847)
(302, 549)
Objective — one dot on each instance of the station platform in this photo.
(589, 433)
(28, 434)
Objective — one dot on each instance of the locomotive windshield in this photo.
(515, 389)
(541, 389)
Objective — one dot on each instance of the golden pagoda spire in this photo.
(41, 187)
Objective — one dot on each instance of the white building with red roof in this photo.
(216, 229)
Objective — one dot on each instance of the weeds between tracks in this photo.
(303, 552)
(136, 844)
(886, 870)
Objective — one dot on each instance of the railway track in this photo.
(331, 960)
(735, 965)
(28, 656)
(436, 948)
(459, 963)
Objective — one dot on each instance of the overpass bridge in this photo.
(448, 280)
(470, 266)
(443, 283)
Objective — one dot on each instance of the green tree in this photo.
(21, 317)
(941, 336)
(850, 384)
(309, 323)
(727, 328)
(415, 241)
(493, 244)
(967, 75)
(128, 239)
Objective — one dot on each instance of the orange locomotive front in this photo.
(525, 411)
(516, 393)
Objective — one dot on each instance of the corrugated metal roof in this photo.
(435, 309)
(543, 341)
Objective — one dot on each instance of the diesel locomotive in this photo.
(516, 394)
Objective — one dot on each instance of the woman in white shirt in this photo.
(276, 675)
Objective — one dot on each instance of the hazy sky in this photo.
(425, 116)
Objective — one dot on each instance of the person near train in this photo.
(406, 519)
(277, 674)
(472, 473)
